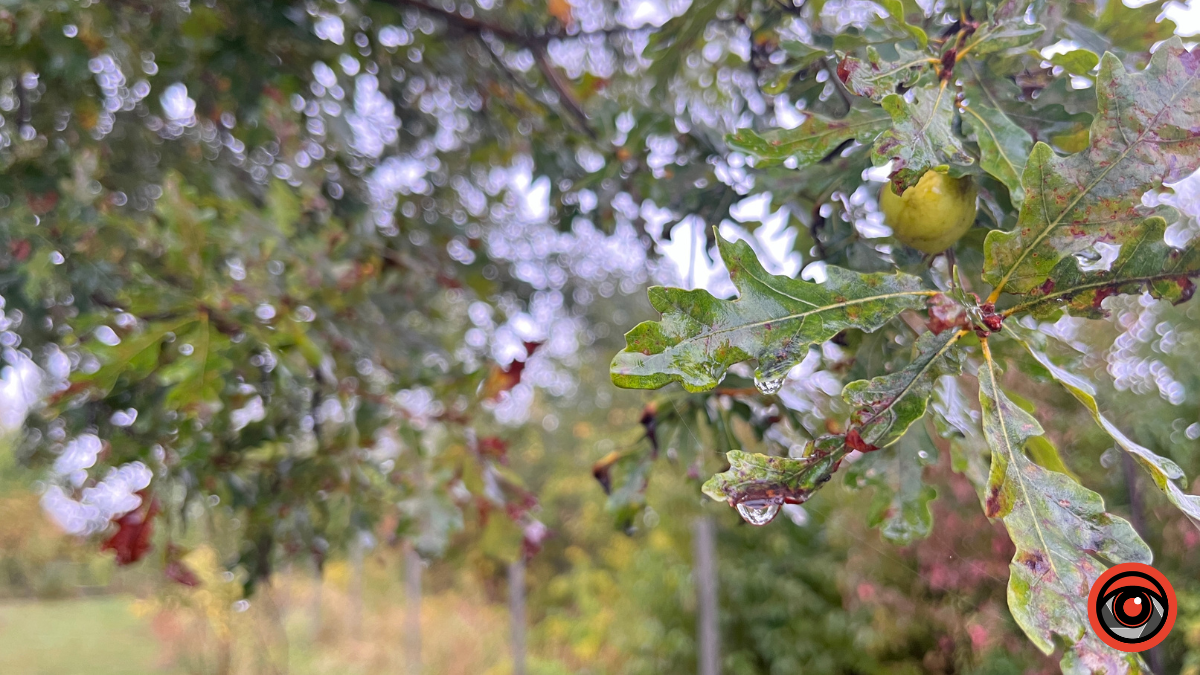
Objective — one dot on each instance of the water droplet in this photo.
(768, 386)
(1109, 458)
(758, 512)
(923, 455)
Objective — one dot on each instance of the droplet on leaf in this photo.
(768, 386)
(758, 512)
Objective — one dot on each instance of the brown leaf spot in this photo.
(1035, 560)
(992, 507)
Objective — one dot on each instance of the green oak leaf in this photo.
(761, 480)
(1063, 536)
(1162, 471)
(1147, 264)
(810, 142)
(900, 508)
(886, 406)
(1134, 28)
(875, 78)
(922, 135)
(895, 9)
(1005, 35)
(1003, 146)
(775, 319)
(1144, 135)
(1076, 61)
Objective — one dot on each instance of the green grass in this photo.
(92, 636)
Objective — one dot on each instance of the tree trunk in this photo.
(412, 619)
(314, 609)
(516, 612)
(708, 636)
(357, 553)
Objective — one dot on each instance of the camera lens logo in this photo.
(1132, 607)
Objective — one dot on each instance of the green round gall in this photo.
(931, 215)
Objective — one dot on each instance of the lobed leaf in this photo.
(762, 480)
(1163, 471)
(1003, 146)
(875, 78)
(886, 406)
(810, 142)
(1146, 133)
(775, 319)
(1147, 264)
(1063, 536)
(922, 135)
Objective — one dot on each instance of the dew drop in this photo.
(758, 512)
(768, 386)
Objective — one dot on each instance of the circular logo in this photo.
(1132, 607)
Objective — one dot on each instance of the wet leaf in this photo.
(1063, 536)
(886, 406)
(1144, 134)
(1165, 473)
(875, 78)
(1146, 264)
(760, 481)
(1003, 146)
(810, 142)
(775, 319)
(921, 136)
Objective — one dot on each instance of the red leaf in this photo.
(131, 541)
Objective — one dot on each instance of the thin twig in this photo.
(565, 95)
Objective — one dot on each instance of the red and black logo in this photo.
(1132, 607)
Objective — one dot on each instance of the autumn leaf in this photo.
(1063, 536)
(875, 78)
(131, 541)
(1147, 264)
(761, 481)
(1144, 135)
(774, 320)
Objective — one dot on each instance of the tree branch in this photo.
(534, 43)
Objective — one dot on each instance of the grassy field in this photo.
(118, 635)
(97, 636)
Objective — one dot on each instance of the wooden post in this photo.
(412, 619)
(708, 635)
(516, 612)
